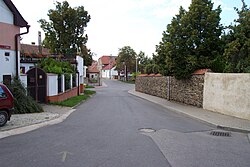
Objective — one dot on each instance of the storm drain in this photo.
(147, 130)
(220, 133)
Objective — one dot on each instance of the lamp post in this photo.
(125, 71)
(136, 65)
(110, 66)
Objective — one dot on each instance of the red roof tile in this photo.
(201, 71)
(143, 75)
(93, 67)
(105, 60)
(33, 50)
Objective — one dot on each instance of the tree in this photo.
(173, 48)
(192, 40)
(203, 32)
(126, 57)
(64, 33)
(237, 52)
(87, 55)
(152, 69)
(142, 60)
(50, 65)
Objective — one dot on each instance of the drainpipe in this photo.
(16, 46)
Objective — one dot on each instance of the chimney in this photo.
(39, 42)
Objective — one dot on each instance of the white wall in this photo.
(5, 13)
(52, 84)
(114, 72)
(105, 73)
(23, 79)
(7, 63)
(228, 94)
(79, 65)
(27, 66)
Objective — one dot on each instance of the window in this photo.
(2, 93)
(7, 79)
(22, 70)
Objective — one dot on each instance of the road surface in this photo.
(116, 129)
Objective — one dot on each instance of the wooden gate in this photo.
(37, 84)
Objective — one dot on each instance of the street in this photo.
(116, 129)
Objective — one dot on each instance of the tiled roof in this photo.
(108, 67)
(93, 68)
(33, 50)
(107, 59)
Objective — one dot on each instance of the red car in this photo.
(6, 104)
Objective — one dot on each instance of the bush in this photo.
(23, 103)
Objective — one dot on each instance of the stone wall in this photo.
(156, 86)
(188, 91)
(184, 91)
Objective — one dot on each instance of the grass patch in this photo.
(129, 81)
(89, 92)
(88, 86)
(71, 102)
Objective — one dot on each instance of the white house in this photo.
(10, 23)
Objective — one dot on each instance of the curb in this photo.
(196, 118)
(29, 128)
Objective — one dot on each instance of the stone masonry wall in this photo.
(184, 91)
(156, 86)
(188, 91)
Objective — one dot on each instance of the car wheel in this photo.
(3, 118)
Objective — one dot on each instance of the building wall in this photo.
(228, 94)
(7, 63)
(7, 42)
(27, 66)
(5, 13)
(7, 35)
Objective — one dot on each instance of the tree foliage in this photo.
(50, 65)
(64, 33)
(191, 41)
(152, 69)
(87, 55)
(126, 56)
(237, 52)
(142, 61)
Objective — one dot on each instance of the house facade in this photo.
(106, 66)
(11, 21)
(93, 74)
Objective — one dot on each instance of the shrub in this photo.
(22, 102)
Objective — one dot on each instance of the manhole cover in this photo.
(147, 130)
(220, 133)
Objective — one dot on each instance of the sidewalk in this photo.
(216, 119)
(22, 123)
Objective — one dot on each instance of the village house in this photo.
(55, 84)
(11, 21)
(93, 74)
(107, 67)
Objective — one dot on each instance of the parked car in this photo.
(6, 104)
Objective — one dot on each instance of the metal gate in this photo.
(37, 84)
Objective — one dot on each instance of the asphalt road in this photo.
(105, 132)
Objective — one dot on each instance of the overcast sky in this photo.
(118, 23)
